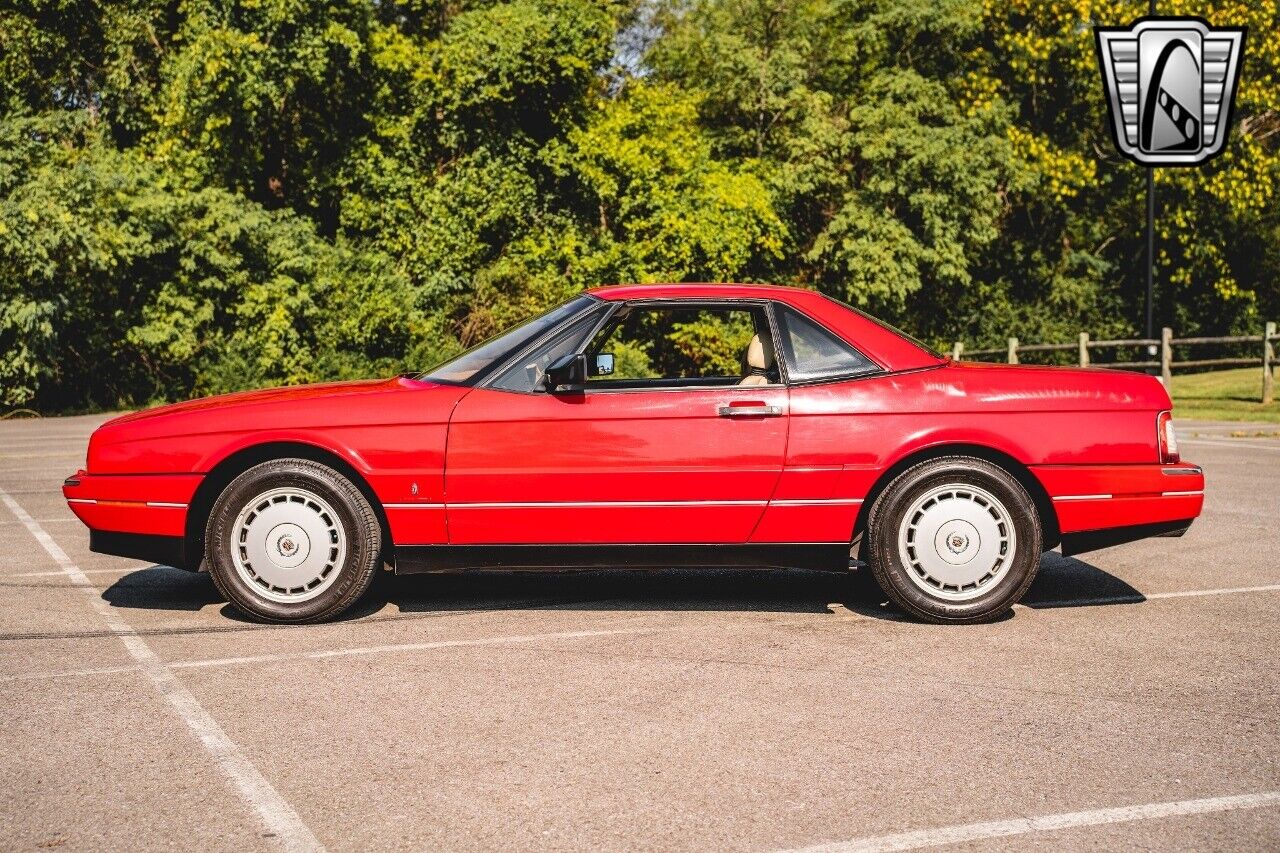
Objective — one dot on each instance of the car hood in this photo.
(243, 399)
(184, 437)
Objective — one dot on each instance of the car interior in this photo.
(683, 346)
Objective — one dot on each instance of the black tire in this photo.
(352, 524)
(900, 561)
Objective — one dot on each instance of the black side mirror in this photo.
(567, 373)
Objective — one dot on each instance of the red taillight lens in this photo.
(1167, 438)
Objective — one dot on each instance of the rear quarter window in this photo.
(813, 353)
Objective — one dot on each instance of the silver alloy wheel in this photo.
(957, 542)
(288, 545)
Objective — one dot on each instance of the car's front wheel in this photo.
(955, 539)
(292, 540)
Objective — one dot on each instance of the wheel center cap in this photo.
(957, 542)
(288, 545)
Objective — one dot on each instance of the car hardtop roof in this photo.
(886, 347)
(700, 290)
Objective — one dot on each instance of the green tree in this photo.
(1074, 249)
(119, 287)
(202, 195)
(892, 185)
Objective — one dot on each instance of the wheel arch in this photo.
(235, 464)
(1015, 468)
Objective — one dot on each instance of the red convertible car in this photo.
(644, 426)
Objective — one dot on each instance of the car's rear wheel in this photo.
(292, 540)
(955, 539)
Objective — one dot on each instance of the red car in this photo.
(642, 426)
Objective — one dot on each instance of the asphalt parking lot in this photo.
(1131, 702)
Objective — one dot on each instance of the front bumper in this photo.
(143, 504)
(140, 516)
(164, 550)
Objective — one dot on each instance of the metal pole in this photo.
(1151, 252)
(1151, 238)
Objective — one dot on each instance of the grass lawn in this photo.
(1223, 395)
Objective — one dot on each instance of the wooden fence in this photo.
(1164, 345)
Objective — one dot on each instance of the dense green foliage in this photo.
(200, 195)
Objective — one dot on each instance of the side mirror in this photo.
(604, 364)
(567, 373)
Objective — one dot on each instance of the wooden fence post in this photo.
(1084, 349)
(1166, 355)
(957, 349)
(1013, 350)
(1268, 362)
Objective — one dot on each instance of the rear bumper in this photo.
(1102, 505)
(144, 504)
(1092, 540)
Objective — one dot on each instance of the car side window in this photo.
(814, 353)
(526, 373)
(665, 346)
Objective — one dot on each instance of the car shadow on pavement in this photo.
(1072, 582)
(669, 590)
(1061, 582)
(162, 588)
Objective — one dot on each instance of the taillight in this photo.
(1167, 438)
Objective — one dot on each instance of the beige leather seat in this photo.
(759, 360)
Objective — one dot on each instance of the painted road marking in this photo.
(43, 521)
(405, 647)
(1224, 591)
(1151, 596)
(51, 455)
(324, 654)
(277, 816)
(60, 573)
(1237, 445)
(839, 613)
(962, 833)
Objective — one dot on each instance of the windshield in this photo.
(472, 365)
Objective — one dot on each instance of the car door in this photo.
(673, 438)
(826, 474)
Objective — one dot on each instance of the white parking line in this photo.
(49, 455)
(323, 654)
(1224, 591)
(1139, 597)
(839, 613)
(961, 833)
(275, 813)
(1235, 444)
(407, 647)
(42, 521)
(59, 573)
(26, 442)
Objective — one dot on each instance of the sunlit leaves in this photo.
(202, 195)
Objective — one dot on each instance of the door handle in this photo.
(755, 410)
